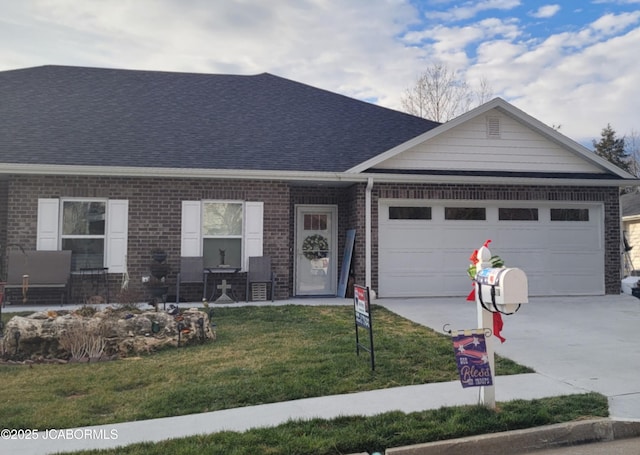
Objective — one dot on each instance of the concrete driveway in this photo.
(586, 342)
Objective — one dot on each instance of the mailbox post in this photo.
(498, 290)
(485, 319)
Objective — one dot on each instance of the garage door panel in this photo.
(457, 236)
(408, 259)
(574, 238)
(401, 237)
(430, 258)
(415, 285)
(537, 280)
(575, 284)
(428, 285)
(523, 236)
(576, 263)
(524, 259)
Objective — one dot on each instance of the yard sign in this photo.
(362, 311)
(471, 358)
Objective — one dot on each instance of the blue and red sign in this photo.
(472, 359)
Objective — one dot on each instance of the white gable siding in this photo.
(467, 147)
(632, 229)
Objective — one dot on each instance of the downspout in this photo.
(367, 234)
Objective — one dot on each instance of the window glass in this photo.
(83, 232)
(409, 213)
(569, 214)
(222, 234)
(517, 214)
(85, 253)
(315, 222)
(465, 213)
(222, 218)
(83, 217)
(222, 252)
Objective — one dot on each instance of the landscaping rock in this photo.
(106, 334)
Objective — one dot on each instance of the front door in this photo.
(316, 256)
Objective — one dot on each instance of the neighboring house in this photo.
(113, 164)
(630, 206)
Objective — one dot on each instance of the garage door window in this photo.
(409, 213)
(517, 214)
(569, 214)
(465, 213)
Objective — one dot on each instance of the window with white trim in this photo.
(83, 231)
(95, 230)
(224, 233)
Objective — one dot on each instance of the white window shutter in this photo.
(117, 235)
(191, 228)
(48, 224)
(253, 230)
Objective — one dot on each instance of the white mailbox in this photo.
(502, 290)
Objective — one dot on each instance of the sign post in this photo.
(485, 319)
(362, 314)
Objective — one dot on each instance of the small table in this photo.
(96, 276)
(223, 286)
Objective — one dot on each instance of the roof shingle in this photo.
(110, 117)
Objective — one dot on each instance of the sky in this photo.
(569, 64)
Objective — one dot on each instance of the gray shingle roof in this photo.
(109, 117)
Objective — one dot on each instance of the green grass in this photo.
(271, 354)
(375, 434)
(262, 355)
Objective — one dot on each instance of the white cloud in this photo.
(611, 24)
(328, 43)
(369, 49)
(470, 9)
(545, 11)
(586, 90)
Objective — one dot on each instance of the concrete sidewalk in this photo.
(574, 344)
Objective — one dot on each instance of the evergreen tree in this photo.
(612, 149)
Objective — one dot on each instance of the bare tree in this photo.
(484, 92)
(440, 95)
(632, 146)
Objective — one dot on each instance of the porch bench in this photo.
(39, 269)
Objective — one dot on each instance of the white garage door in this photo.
(424, 246)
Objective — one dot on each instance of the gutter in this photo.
(299, 176)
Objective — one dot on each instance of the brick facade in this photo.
(4, 193)
(155, 216)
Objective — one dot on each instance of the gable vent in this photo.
(493, 127)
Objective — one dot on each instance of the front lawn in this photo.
(262, 355)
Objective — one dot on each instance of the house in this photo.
(630, 207)
(113, 164)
